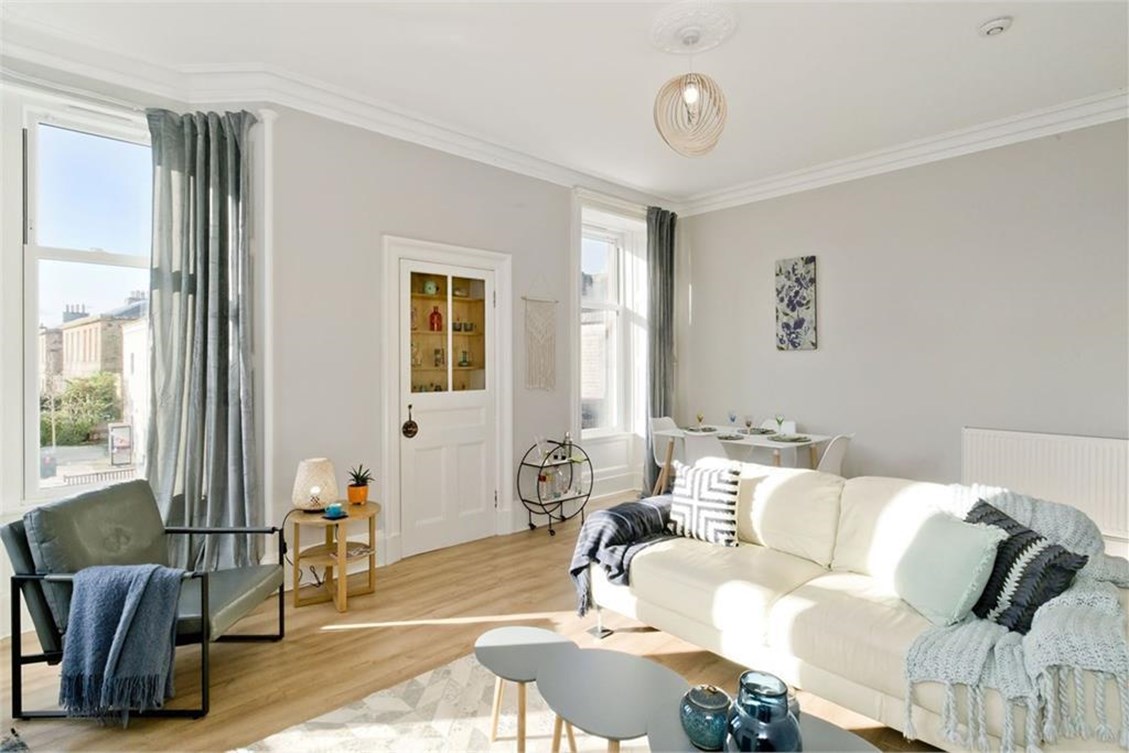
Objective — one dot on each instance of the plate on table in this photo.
(696, 430)
(757, 430)
(789, 438)
(730, 437)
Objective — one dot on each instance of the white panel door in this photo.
(447, 386)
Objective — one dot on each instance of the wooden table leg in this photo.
(814, 456)
(372, 557)
(521, 717)
(571, 737)
(776, 457)
(342, 569)
(498, 685)
(297, 573)
(557, 723)
(613, 746)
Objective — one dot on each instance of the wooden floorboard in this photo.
(427, 611)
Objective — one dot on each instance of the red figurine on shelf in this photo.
(435, 320)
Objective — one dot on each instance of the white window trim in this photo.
(625, 230)
(129, 127)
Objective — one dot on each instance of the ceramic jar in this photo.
(704, 712)
(760, 719)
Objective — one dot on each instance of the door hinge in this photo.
(494, 298)
(495, 500)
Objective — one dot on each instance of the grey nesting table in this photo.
(516, 654)
(611, 694)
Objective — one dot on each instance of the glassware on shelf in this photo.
(435, 320)
(415, 319)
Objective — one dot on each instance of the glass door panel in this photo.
(468, 333)
(430, 330)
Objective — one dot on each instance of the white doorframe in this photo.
(395, 249)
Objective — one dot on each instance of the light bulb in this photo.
(690, 93)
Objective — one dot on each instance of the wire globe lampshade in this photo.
(690, 113)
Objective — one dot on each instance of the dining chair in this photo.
(832, 460)
(663, 450)
(788, 427)
(698, 446)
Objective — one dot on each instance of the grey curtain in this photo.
(660, 327)
(201, 445)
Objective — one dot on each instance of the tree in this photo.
(85, 404)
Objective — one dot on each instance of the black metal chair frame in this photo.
(203, 637)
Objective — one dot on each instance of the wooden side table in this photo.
(333, 555)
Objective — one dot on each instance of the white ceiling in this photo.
(573, 83)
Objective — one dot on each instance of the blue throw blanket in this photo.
(118, 648)
(612, 538)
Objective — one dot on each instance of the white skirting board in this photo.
(1090, 473)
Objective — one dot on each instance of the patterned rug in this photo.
(446, 709)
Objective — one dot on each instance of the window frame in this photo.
(620, 396)
(120, 127)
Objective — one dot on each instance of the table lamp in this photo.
(315, 485)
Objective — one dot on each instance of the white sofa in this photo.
(807, 595)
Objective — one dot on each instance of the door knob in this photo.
(410, 427)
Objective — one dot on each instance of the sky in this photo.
(92, 193)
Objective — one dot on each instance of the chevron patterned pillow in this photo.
(704, 503)
(1029, 571)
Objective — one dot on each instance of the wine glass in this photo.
(732, 419)
(749, 424)
(779, 422)
(701, 416)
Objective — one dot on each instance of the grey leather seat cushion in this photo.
(231, 594)
(117, 525)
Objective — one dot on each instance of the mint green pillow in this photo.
(946, 566)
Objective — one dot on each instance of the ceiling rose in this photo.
(688, 28)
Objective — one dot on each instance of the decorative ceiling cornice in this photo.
(1101, 108)
(253, 83)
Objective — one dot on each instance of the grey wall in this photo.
(988, 290)
(337, 191)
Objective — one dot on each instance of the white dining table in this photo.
(752, 440)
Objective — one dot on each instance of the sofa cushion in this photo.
(848, 624)
(704, 503)
(792, 510)
(730, 588)
(878, 518)
(1028, 572)
(945, 569)
(117, 525)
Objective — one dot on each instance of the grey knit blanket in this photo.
(1042, 672)
(118, 648)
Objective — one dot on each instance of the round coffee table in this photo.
(516, 654)
(610, 694)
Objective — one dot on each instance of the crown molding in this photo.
(204, 85)
(1101, 108)
(207, 85)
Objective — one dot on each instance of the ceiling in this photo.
(573, 83)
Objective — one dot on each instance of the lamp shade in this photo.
(315, 484)
(690, 114)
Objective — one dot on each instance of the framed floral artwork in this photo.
(795, 303)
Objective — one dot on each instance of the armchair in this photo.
(120, 525)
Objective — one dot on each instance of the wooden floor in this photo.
(427, 611)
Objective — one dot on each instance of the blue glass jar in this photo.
(704, 712)
(760, 719)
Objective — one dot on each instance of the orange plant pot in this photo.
(358, 495)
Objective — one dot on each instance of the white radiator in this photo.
(1091, 473)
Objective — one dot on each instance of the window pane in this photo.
(93, 372)
(598, 270)
(598, 348)
(93, 192)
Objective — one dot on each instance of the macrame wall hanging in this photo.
(540, 344)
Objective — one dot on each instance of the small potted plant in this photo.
(359, 479)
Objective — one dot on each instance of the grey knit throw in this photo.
(1081, 630)
(118, 648)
